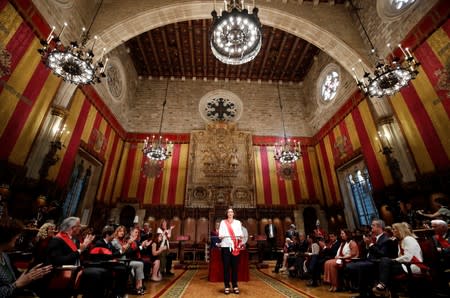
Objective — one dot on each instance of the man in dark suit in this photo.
(271, 233)
(104, 254)
(327, 251)
(65, 249)
(363, 272)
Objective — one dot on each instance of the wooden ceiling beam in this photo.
(205, 48)
(179, 48)
(191, 47)
(167, 50)
(154, 52)
(300, 61)
(144, 54)
(291, 54)
(280, 51)
(266, 52)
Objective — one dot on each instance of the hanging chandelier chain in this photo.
(355, 10)
(93, 19)
(281, 109)
(163, 108)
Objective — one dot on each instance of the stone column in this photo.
(51, 130)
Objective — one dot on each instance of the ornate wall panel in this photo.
(221, 168)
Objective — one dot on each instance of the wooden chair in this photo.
(252, 244)
(188, 246)
(201, 237)
(62, 282)
(174, 243)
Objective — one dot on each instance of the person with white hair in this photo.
(66, 249)
(441, 241)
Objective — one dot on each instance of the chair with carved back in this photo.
(201, 237)
(188, 246)
(252, 244)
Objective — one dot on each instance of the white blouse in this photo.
(410, 248)
(225, 235)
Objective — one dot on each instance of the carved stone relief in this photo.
(221, 168)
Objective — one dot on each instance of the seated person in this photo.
(45, 233)
(10, 285)
(409, 252)
(310, 257)
(65, 249)
(362, 274)
(348, 250)
(157, 249)
(105, 253)
(126, 247)
(328, 251)
(441, 241)
(290, 249)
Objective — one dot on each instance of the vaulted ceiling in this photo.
(182, 50)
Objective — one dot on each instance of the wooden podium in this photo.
(215, 273)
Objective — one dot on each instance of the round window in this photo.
(391, 10)
(328, 83)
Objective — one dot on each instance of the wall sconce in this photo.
(384, 141)
(57, 143)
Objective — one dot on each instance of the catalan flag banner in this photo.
(165, 186)
(276, 184)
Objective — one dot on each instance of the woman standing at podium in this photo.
(230, 232)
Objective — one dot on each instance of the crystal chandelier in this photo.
(288, 151)
(235, 34)
(157, 148)
(73, 63)
(389, 75)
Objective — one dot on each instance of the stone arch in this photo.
(154, 17)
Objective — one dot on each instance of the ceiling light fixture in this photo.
(389, 75)
(158, 149)
(235, 34)
(74, 63)
(288, 151)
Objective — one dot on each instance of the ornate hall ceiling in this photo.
(182, 50)
(164, 39)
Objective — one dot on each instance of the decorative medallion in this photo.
(220, 106)
(220, 109)
(443, 83)
(152, 168)
(287, 171)
(115, 79)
